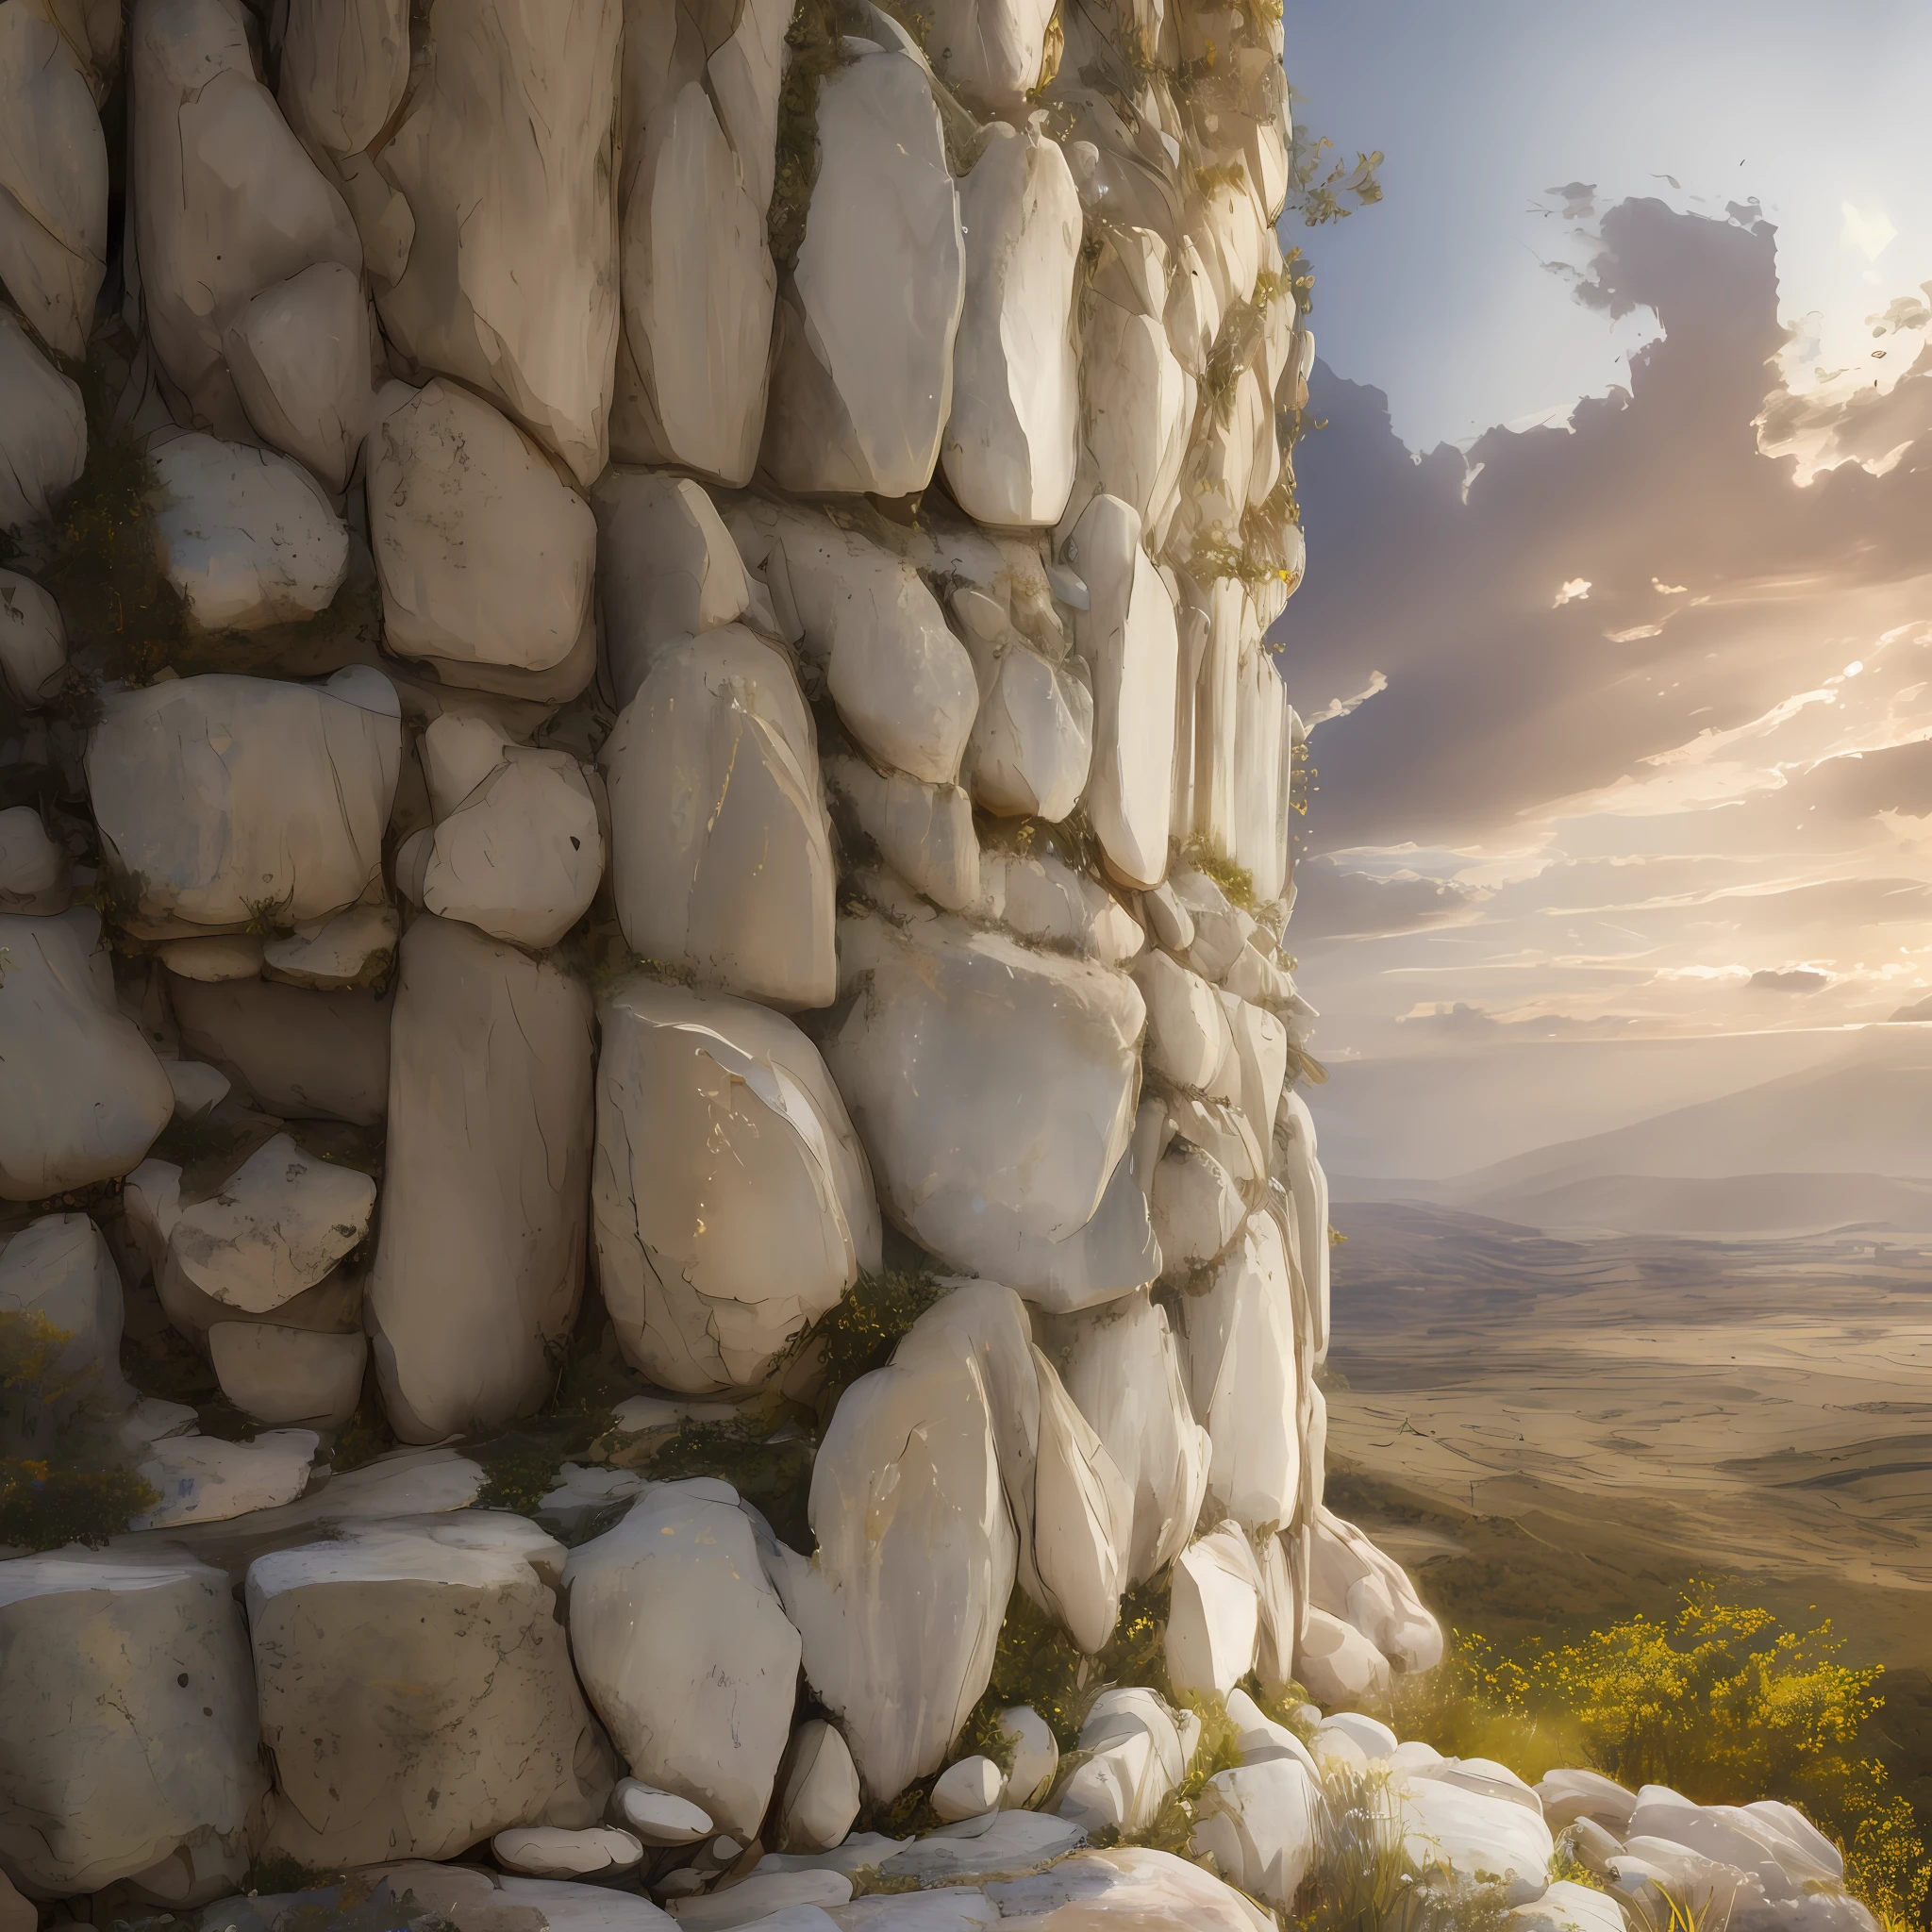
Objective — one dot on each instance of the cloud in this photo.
(1334, 901)
(1459, 1019)
(1860, 785)
(1870, 234)
(1921, 1009)
(1341, 707)
(1798, 979)
(1571, 591)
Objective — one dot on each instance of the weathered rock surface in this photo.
(486, 555)
(733, 1204)
(1259, 1824)
(1352, 1579)
(416, 1690)
(1334, 1662)
(721, 861)
(992, 1088)
(1149, 1890)
(224, 799)
(507, 155)
(1136, 1758)
(297, 1052)
(130, 1742)
(226, 203)
(203, 1479)
(819, 1794)
(33, 640)
(992, 50)
(82, 1095)
(480, 1249)
(59, 1267)
(923, 832)
(861, 389)
(1462, 1834)
(1010, 444)
(548, 1851)
(1032, 741)
(280, 1376)
(52, 183)
(345, 70)
(684, 1648)
(42, 429)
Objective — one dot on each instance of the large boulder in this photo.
(82, 1095)
(507, 155)
(346, 67)
(58, 1268)
(282, 1375)
(486, 555)
(1349, 1577)
(1134, 1756)
(303, 356)
(1128, 638)
(1120, 1364)
(1133, 1888)
(228, 799)
(994, 1087)
(991, 50)
(295, 1051)
(1259, 1823)
(1010, 444)
(861, 389)
(1032, 741)
(129, 1749)
(923, 832)
(900, 1608)
(1465, 1838)
(245, 535)
(1214, 1616)
(416, 1690)
(53, 182)
(1243, 1381)
(226, 200)
(666, 569)
(685, 1649)
(903, 683)
(42, 429)
(732, 1202)
(721, 855)
(697, 278)
(479, 1252)
(1307, 1186)
(1083, 1519)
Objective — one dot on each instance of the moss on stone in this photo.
(860, 1330)
(813, 44)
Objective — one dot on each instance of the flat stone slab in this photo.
(1015, 1844)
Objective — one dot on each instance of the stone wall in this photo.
(635, 710)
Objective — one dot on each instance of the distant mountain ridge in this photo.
(1846, 1144)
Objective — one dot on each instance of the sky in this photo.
(1617, 632)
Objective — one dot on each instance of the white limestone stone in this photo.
(772, 1901)
(1136, 1760)
(1150, 1890)
(1568, 1906)
(300, 354)
(220, 795)
(732, 1202)
(666, 569)
(42, 429)
(1294, 1145)
(480, 1245)
(1188, 1030)
(227, 202)
(33, 638)
(1458, 1833)
(473, 1896)
(1484, 1776)
(280, 1376)
(721, 860)
(295, 1051)
(979, 1850)
(903, 683)
(1042, 898)
(441, 1633)
(246, 536)
(506, 157)
(33, 869)
(217, 958)
(346, 67)
(521, 857)
(548, 1851)
(1261, 1739)
(1131, 646)
(1221, 929)
(1121, 1366)
(993, 1089)
(1570, 1794)
(53, 182)
(82, 1095)
(968, 1789)
(486, 555)
(991, 50)
(1214, 1620)
(275, 1227)
(1259, 1823)
(1242, 1378)
(696, 272)
(203, 1479)
(923, 832)
(861, 389)
(110, 1763)
(1032, 740)
(659, 1818)
(59, 1268)
(1196, 1208)
(819, 1792)
(1083, 1519)
(685, 1649)
(1370, 1735)
(1009, 447)
(1352, 1579)
(348, 949)
(1137, 402)
(1334, 1662)
(1035, 1757)
(900, 1608)
(1258, 1062)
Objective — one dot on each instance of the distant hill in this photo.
(1845, 1144)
